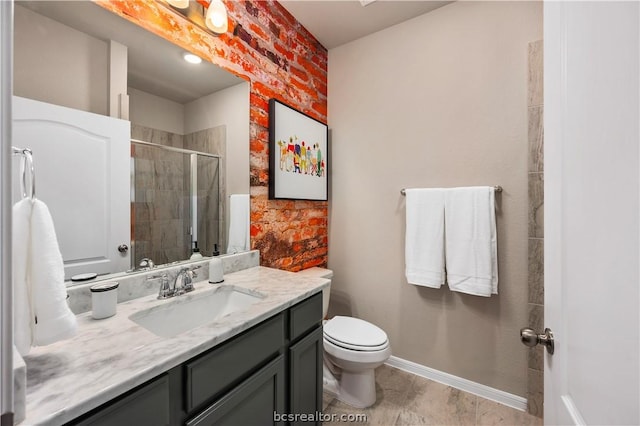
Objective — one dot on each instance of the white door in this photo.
(82, 166)
(591, 90)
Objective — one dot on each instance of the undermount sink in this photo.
(186, 312)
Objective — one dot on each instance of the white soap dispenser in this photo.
(216, 275)
(195, 253)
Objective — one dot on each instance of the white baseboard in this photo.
(505, 398)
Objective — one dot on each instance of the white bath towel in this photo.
(42, 315)
(238, 223)
(424, 240)
(471, 240)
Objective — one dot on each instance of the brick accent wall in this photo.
(281, 60)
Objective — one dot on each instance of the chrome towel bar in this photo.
(496, 188)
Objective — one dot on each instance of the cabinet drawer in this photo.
(305, 315)
(254, 402)
(215, 372)
(147, 405)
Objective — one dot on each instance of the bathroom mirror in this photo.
(189, 122)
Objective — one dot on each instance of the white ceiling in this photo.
(336, 22)
(155, 65)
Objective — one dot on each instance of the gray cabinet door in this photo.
(305, 380)
(147, 405)
(253, 402)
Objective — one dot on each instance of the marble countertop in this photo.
(111, 356)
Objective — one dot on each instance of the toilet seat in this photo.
(355, 334)
(355, 347)
(358, 357)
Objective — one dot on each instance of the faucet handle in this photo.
(147, 263)
(188, 282)
(165, 289)
(189, 274)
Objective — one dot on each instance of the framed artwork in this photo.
(297, 154)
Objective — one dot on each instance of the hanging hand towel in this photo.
(55, 321)
(424, 240)
(238, 223)
(21, 292)
(42, 315)
(471, 241)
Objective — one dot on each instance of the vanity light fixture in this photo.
(191, 58)
(180, 4)
(212, 18)
(216, 19)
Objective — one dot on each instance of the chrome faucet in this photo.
(184, 280)
(165, 291)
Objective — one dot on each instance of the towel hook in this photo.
(27, 165)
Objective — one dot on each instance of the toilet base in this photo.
(357, 389)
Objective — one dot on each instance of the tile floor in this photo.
(406, 399)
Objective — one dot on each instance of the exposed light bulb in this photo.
(180, 4)
(191, 58)
(216, 19)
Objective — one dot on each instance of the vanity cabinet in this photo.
(252, 403)
(273, 367)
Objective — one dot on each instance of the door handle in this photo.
(123, 248)
(530, 338)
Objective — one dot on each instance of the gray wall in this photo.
(75, 77)
(438, 101)
(155, 112)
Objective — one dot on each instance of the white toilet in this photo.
(353, 349)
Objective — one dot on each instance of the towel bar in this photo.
(496, 188)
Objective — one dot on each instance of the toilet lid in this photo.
(354, 333)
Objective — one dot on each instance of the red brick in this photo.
(287, 53)
(314, 262)
(257, 145)
(256, 30)
(259, 116)
(301, 74)
(320, 108)
(255, 229)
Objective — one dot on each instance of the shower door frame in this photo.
(193, 190)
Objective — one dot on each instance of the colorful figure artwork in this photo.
(298, 163)
(301, 157)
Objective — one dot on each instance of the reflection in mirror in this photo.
(192, 122)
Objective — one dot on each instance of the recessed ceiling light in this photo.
(191, 58)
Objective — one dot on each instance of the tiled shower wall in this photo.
(160, 225)
(535, 384)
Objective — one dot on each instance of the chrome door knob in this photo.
(530, 338)
(123, 248)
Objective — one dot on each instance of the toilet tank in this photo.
(326, 292)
